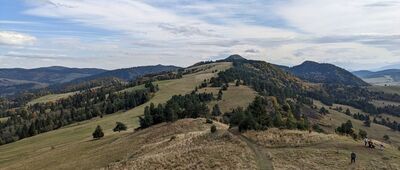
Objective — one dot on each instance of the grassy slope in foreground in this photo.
(293, 149)
(193, 146)
(72, 147)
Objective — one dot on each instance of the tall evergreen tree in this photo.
(216, 111)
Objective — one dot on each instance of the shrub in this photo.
(362, 133)
(317, 128)
(213, 129)
(209, 121)
(98, 133)
(120, 127)
(386, 137)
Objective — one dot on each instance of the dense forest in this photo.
(42, 117)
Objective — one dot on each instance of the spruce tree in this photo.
(220, 95)
(98, 132)
(216, 111)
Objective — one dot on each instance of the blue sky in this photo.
(358, 34)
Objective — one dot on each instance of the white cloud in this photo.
(15, 38)
(338, 17)
(182, 32)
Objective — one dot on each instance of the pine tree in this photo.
(216, 111)
(347, 112)
(220, 95)
(98, 133)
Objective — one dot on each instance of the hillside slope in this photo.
(49, 75)
(73, 143)
(325, 73)
(383, 77)
(130, 73)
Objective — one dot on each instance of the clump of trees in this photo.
(264, 113)
(178, 107)
(347, 129)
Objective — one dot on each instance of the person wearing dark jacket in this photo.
(353, 157)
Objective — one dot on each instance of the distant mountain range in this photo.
(383, 77)
(49, 75)
(18, 80)
(323, 73)
(15, 80)
(130, 73)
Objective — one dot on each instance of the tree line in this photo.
(42, 117)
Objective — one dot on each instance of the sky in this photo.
(357, 34)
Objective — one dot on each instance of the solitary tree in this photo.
(220, 95)
(98, 133)
(348, 112)
(120, 127)
(216, 111)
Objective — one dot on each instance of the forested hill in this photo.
(325, 73)
(130, 73)
(48, 75)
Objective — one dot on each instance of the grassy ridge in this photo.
(72, 144)
(51, 97)
(235, 96)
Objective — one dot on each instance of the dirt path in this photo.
(263, 162)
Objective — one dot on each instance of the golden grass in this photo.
(3, 119)
(51, 98)
(73, 148)
(383, 103)
(287, 138)
(293, 149)
(194, 147)
(235, 96)
(331, 121)
(385, 89)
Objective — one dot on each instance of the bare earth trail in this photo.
(263, 162)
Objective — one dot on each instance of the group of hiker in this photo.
(367, 143)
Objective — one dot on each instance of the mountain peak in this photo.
(235, 57)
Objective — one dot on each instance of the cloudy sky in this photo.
(357, 34)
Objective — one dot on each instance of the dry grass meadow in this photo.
(72, 147)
